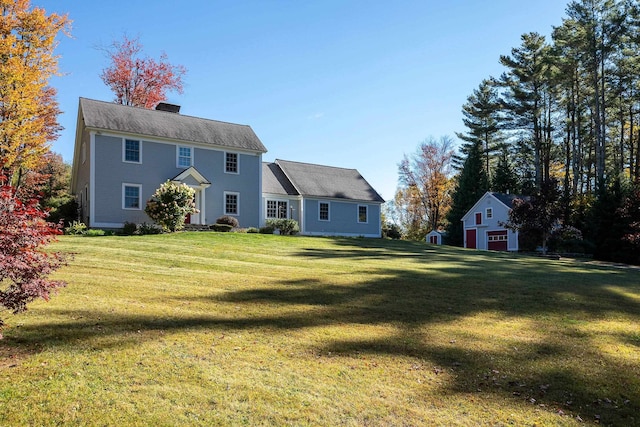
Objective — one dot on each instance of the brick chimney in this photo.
(171, 108)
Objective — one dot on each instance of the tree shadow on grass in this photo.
(442, 287)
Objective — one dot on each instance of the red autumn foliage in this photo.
(24, 265)
(140, 81)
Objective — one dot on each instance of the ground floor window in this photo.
(362, 213)
(277, 209)
(498, 238)
(131, 196)
(231, 203)
(323, 211)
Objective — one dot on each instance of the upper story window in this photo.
(231, 203)
(323, 211)
(131, 151)
(131, 196)
(362, 213)
(489, 213)
(231, 163)
(478, 218)
(185, 157)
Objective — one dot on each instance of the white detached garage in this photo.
(481, 224)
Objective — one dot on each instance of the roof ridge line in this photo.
(165, 112)
(317, 164)
(275, 162)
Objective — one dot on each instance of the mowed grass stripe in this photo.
(239, 329)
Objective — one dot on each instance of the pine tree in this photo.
(504, 179)
(472, 184)
(481, 117)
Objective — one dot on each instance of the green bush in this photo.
(221, 227)
(252, 230)
(94, 232)
(76, 228)
(129, 229)
(63, 209)
(170, 205)
(286, 227)
(266, 230)
(391, 231)
(144, 229)
(229, 220)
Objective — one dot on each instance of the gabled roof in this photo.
(194, 174)
(310, 180)
(109, 116)
(274, 181)
(505, 199)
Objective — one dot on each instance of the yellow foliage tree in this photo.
(28, 108)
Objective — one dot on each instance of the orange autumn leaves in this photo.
(28, 108)
(140, 81)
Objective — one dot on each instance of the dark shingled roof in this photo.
(507, 199)
(327, 181)
(162, 124)
(274, 181)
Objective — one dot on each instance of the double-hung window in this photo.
(132, 151)
(131, 194)
(231, 203)
(323, 211)
(489, 213)
(362, 213)
(231, 163)
(277, 209)
(185, 157)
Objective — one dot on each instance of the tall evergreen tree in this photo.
(527, 99)
(599, 25)
(504, 178)
(472, 184)
(482, 118)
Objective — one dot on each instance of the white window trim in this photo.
(224, 166)
(178, 165)
(224, 202)
(358, 214)
(328, 211)
(124, 151)
(488, 213)
(266, 208)
(475, 221)
(124, 186)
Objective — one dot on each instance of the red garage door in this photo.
(470, 237)
(497, 240)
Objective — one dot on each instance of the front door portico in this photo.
(199, 183)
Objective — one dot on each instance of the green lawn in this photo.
(245, 329)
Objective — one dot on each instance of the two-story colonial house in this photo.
(123, 154)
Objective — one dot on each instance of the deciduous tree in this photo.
(138, 80)
(28, 108)
(539, 213)
(428, 174)
(24, 265)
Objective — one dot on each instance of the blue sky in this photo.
(353, 84)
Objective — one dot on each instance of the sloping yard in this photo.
(241, 329)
